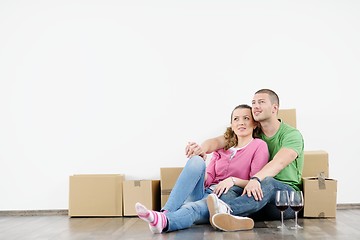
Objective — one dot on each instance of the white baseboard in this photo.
(34, 212)
(52, 212)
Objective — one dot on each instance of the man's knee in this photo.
(268, 184)
(267, 181)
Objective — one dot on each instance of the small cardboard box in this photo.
(320, 197)
(288, 116)
(147, 192)
(95, 195)
(315, 163)
(168, 177)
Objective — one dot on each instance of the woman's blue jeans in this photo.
(187, 201)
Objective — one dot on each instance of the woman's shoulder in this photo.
(259, 141)
(222, 151)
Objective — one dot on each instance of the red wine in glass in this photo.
(282, 203)
(296, 203)
(282, 207)
(296, 208)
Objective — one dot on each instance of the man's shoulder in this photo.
(287, 128)
(290, 133)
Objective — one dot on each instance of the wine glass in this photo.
(296, 204)
(282, 203)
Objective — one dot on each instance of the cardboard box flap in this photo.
(321, 181)
(317, 178)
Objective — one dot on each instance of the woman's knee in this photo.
(196, 162)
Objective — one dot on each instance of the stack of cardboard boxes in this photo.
(319, 190)
(112, 195)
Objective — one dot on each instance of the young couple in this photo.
(249, 164)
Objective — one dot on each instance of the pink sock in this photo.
(157, 220)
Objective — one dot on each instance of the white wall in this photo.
(121, 86)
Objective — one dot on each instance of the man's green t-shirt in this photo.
(288, 137)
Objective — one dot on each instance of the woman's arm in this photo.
(208, 146)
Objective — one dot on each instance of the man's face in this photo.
(261, 107)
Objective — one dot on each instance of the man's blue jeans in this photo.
(264, 209)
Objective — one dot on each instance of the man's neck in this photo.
(270, 126)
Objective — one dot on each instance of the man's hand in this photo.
(253, 188)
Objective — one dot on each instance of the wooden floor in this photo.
(346, 225)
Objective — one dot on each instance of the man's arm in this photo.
(283, 158)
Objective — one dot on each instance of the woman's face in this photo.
(242, 122)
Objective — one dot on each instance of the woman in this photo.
(226, 175)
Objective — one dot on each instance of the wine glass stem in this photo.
(296, 219)
(282, 218)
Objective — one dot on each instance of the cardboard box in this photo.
(315, 163)
(147, 192)
(320, 197)
(168, 177)
(288, 116)
(95, 195)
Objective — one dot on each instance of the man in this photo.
(282, 172)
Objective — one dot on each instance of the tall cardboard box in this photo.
(168, 177)
(288, 116)
(320, 197)
(316, 163)
(147, 192)
(95, 195)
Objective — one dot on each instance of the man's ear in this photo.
(275, 109)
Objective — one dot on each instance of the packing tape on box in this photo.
(321, 181)
(137, 183)
(166, 191)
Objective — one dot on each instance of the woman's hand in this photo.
(193, 149)
(223, 186)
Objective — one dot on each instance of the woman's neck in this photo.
(243, 141)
